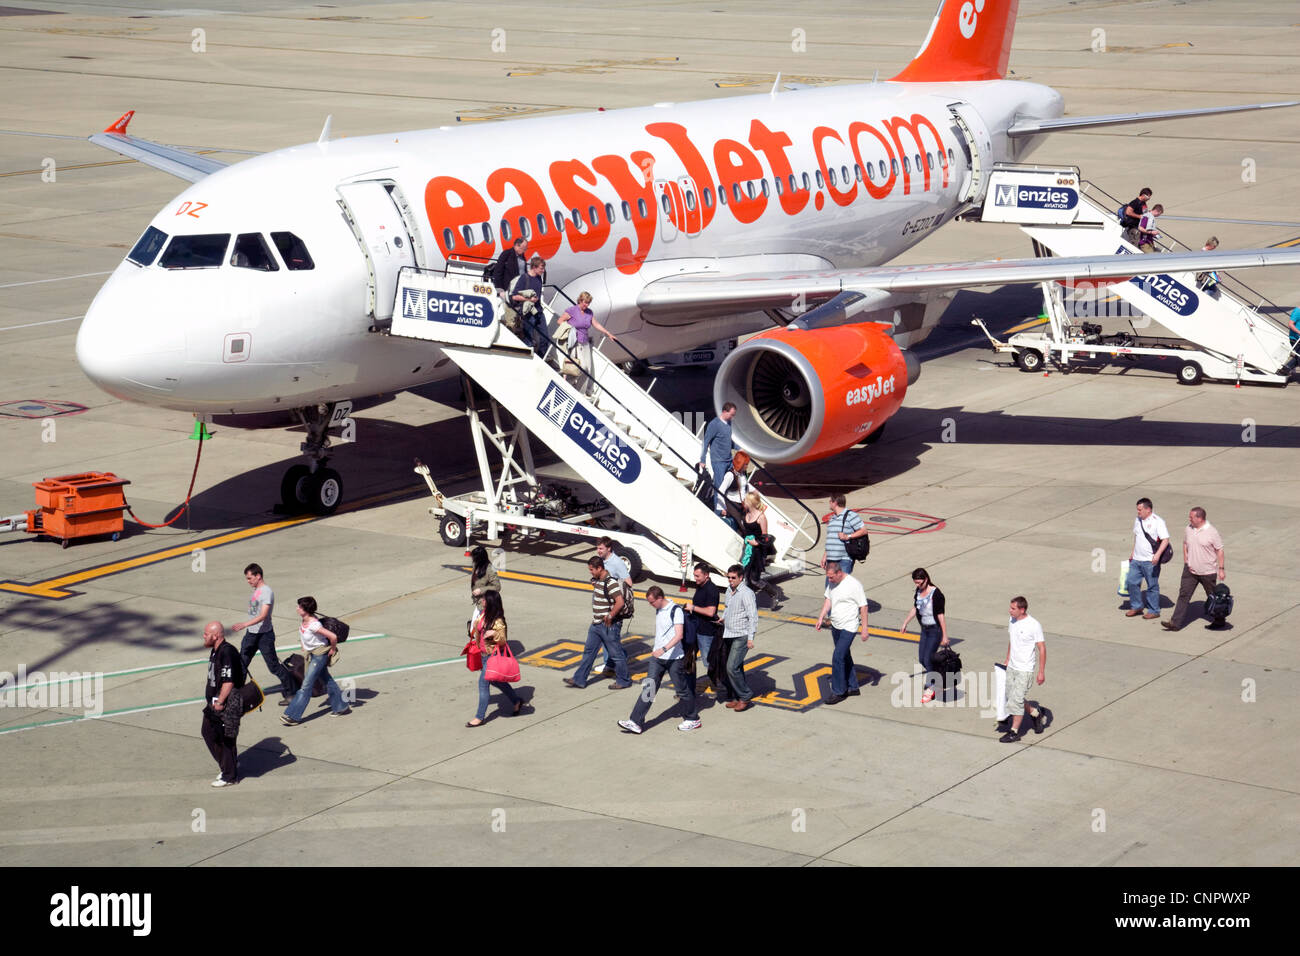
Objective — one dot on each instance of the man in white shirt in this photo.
(1026, 635)
(846, 603)
(1150, 544)
(668, 656)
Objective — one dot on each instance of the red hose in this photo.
(185, 507)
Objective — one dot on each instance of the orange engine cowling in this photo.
(804, 394)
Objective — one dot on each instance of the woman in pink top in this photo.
(583, 320)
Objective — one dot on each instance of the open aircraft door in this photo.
(978, 148)
(375, 211)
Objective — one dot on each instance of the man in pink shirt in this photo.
(1202, 564)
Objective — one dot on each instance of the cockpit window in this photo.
(293, 251)
(252, 252)
(146, 250)
(195, 252)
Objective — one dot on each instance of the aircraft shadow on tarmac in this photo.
(103, 622)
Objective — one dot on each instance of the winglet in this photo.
(325, 131)
(121, 124)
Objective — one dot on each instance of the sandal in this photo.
(470, 723)
(519, 707)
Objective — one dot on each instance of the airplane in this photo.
(268, 285)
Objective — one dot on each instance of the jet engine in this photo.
(803, 394)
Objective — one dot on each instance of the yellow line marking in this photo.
(1025, 325)
(54, 587)
(1289, 242)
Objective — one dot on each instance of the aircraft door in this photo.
(978, 147)
(375, 215)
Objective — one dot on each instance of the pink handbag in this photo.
(501, 665)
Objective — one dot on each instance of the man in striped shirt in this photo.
(843, 524)
(739, 625)
(606, 603)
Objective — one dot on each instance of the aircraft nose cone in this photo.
(125, 353)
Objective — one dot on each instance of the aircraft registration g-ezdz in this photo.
(267, 285)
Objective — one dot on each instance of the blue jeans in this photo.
(599, 635)
(1138, 572)
(737, 687)
(844, 675)
(931, 635)
(534, 326)
(264, 641)
(656, 668)
(705, 641)
(484, 692)
(315, 666)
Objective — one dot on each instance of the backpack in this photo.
(629, 600)
(488, 270)
(1219, 603)
(334, 624)
(859, 547)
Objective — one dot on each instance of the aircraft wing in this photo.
(705, 295)
(1032, 127)
(169, 159)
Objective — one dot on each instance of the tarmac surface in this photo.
(1163, 748)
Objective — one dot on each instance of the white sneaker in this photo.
(631, 726)
(224, 783)
(689, 725)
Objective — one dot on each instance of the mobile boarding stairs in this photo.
(638, 458)
(1219, 334)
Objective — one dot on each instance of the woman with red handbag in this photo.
(499, 664)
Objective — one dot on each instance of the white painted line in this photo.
(32, 325)
(157, 667)
(80, 275)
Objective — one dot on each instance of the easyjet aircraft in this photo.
(268, 285)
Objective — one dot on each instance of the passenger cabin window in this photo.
(690, 199)
(559, 220)
(541, 224)
(145, 251)
(487, 233)
(806, 184)
(821, 183)
(907, 166)
(449, 239)
(252, 252)
(857, 172)
(707, 193)
(735, 192)
(830, 175)
(780, 190)
(525, 230)
(627, 211)
(722, 194)
(505, 232)
(195, 252)
(663, 201)
(468, 234)
(609, 213)
(951, 157)
(767, 190)
(293, 251)
(749, 188)
(592, 216)
(884, 173)
(929, 160)
(642, 209)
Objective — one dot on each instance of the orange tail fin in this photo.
(968, 40)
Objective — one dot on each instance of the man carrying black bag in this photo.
(223, 706)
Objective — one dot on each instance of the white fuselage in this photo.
(220, 338)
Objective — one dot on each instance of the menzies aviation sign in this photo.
(1040, 195)
(449, 309)
(603, 444)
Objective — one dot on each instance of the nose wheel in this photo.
(303, 490)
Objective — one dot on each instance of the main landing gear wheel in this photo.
(633, 560)
(1189, 374)
(452, 529)
(324, 491)
(1029, 360)
(293, 488)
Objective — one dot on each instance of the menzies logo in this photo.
(1169, 293)
(1034, 197)
(453, 308)
(605, 446)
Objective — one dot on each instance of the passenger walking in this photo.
(261, 632)
(739, 626)
(511, 264)
(1147, 232)
(605, 629)
(846, 603)
(1293, 339)
(619, 572)
(1150, 547)
(1203, 564)
(703, 608)
(222, 705)
(1132, 214)
(1209, 281)
(842, 526)
(928, 607)
(482, 576)
(526, 297)
(1026, 635)
(717, 447)
(731, 491)
(321, 645)
(582, 320)
(489, 633)
(667, 657)
(753, 529)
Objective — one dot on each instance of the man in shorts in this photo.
(1026, 636)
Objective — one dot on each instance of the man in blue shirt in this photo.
(843, 524)
(1293, 337)
(718, 447)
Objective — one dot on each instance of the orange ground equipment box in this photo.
(78, 506)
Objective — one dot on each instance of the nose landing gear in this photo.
(315, 487)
